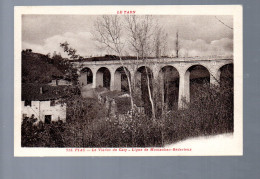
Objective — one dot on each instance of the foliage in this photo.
(90, 125)
(81, 109)
(39, 68)
(72, 53)
(42, 135)
(36, 68)
(209, 113)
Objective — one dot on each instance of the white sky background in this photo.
(198, 35)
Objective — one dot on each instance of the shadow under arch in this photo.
(121, 82)
(227, 76)
(169, 87)
(141, 88)
(86, 76)
(197, 81)
(227, 93)
(103, 77)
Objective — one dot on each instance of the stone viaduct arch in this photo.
(196, 76)
(85, 76)
(121, 82)
(226, 75)
(141, 81)
(184, 67)
(169, 83)
(103, 77)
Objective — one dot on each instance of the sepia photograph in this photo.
(128, 81)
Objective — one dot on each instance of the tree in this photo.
(141, 31)
(224, 23)
(72, 53)
(145, 38)
(160, 44)
(108, 32)
(71, 72)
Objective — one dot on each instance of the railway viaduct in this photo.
(94, 72)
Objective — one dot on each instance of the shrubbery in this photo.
(88, 125)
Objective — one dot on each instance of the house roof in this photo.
(32, 92)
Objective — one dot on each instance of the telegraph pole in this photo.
(177, 44)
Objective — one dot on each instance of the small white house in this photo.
(43, 102)
(45, 111)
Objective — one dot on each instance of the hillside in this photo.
(39, 68)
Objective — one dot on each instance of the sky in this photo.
(198, 35)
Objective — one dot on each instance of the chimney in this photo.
(40, 90)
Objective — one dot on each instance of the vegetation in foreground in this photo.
(87, 125)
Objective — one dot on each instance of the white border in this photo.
(234, 10)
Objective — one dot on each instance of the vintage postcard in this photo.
(128, 81)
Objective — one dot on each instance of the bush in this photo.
(210, 112)
(42, 135)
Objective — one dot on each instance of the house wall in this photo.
(63, 82)
(31, 110)
(42, 108)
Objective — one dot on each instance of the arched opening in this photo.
(199, 80)
(103, 77)
(169, 86)
(143, 77)
(227, 94)
(226, 76)
(86, 76)
(121, 82)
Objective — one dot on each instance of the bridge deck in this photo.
(161, 60)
